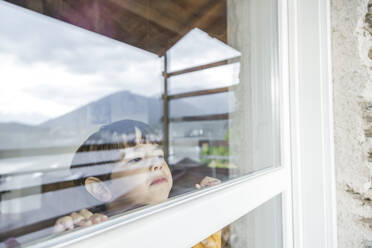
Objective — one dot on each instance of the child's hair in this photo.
(103, 147)
(101, 151)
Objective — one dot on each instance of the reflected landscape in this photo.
(126, 105)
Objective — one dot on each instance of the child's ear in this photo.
(98, 189)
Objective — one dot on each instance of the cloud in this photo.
(49, 67)
(34, 38)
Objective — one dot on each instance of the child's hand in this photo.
(82, 218)
(207, 182)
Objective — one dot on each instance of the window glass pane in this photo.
(107, 107)
(261, 228)
(216, 77)
(186, 53)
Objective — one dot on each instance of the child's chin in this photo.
(159, 198)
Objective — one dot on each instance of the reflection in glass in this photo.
(197, 42)
(261, 228)
(127, 104)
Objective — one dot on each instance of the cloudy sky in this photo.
(49, 68)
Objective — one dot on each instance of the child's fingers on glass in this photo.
(84, 223)
(64, 224)
(97, 218)
(76, 217)
(58, 228)
(83, 218)
(86, 213)
(209, 181)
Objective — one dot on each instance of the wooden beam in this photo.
(165, 111)
(150, 14)
(36, 5)
(214, 117)
(200, 93)
(107, 19)
(204, 16)
(30, 152)
(203, 67)
(69, 12)
(35, 190)
(23, 229)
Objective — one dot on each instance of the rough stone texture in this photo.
(351, 49)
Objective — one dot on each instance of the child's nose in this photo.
(156, 166)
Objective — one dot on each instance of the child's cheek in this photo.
(170, 178)
(126, 184)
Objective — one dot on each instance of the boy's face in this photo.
(143, 177)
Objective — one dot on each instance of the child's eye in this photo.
(135, 160)
(160, 156)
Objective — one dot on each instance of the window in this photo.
(120, 118)
(129, 106)
(261, 227)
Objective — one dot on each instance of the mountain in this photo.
(118, 106)
(74, 127)
(108, 109)
(16, 135)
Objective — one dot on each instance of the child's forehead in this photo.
(140, 148)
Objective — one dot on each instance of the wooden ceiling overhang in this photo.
(152, 25)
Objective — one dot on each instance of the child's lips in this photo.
(158, 181)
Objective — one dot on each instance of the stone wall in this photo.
(352, 73)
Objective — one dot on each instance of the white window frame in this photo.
(305, 180)
(314, 204)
